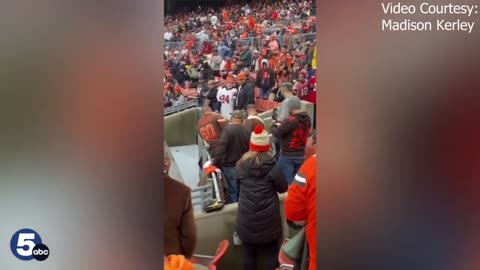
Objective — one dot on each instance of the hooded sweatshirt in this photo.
(293, 133)
(265, 78)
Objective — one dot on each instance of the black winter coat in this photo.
(258, 219)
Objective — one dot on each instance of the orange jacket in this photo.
(300, 205)
(177, 262)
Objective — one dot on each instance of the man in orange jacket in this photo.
(300, 205)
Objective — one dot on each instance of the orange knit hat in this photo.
(177, 89)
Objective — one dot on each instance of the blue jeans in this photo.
(231, 175)
(290, 166)
(264, 92)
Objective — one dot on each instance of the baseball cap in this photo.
(238, 114)
(212, 82)
(251, 106)
(288, 86)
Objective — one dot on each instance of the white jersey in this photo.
(227, 99)
(214, 20)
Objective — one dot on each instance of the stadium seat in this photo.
(285, 262)
(265, 105)
(221, 251)
(212, 261)
(190, 93)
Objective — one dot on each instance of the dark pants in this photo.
(231, 175)
(277, 148)
(290, 166)
(264, 92)
(266, 254)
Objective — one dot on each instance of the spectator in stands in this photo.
(249, 77)
(287, 92)
(210, 128)
(259, 224)
(206, 71)
(193, 74)
(310, 149)
(227, 96)
(300, 89)
(246, 93)
(245, 57)
(202, 89)
(167, 95)
(179, 223)
(211, 98)
(301, 205)
(257, 61)
(180, 98)
(235, 139)
(216, 63)
(265, 79)
(253, 119)
(292, 134)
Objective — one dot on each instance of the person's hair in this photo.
(255, 156)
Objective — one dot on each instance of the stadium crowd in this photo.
(227, 60)
(267, 43)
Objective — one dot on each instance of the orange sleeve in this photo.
(296, 201)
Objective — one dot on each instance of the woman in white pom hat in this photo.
(259, 224)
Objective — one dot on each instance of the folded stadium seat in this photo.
(266, 105)
(285, 262)
(190, 93)
(259, 105)
(272, 104)
(212, 262)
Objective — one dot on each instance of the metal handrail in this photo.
(251, 40)
(181, 107)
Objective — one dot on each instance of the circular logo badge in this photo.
(40, 252)
(23, 242)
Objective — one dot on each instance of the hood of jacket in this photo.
(257, 169)
(302, 117)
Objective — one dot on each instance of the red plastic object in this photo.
(210, 169)
(285, 262)
(221, 251)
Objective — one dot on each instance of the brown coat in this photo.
(179, 224)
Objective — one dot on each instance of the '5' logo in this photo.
(26, 244)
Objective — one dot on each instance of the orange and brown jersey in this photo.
(210, 127)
